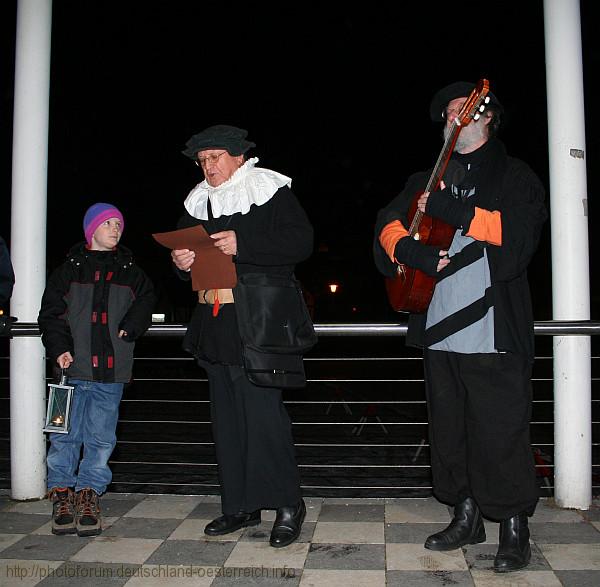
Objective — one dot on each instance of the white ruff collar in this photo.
(248, 185)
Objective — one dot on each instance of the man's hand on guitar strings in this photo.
(422, 201)
(443, 205)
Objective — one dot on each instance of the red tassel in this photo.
(216, 304)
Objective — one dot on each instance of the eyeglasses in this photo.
(456, 110)
(203, 161)
(449, 111)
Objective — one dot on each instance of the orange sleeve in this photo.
(486, 226)
(389, 237)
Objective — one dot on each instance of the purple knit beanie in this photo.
(96, 215)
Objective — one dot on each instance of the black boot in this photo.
(465, 528)
(288, 524)
(230, 523)
(514, 552)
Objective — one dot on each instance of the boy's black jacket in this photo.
(87, 301)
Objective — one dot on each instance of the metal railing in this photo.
(541, 327)
(360, 428)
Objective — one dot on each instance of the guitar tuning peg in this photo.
(476, 116)
(481, 108)
(487, 100)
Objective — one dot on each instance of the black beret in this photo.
(451, 92)
(220, 136)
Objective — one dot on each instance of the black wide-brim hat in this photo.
(220, 136)
(455, 90)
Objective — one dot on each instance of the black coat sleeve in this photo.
(7, 275)
(397, 209)
(52, 318)
(139, 316)
(276, 233)
(523, 213)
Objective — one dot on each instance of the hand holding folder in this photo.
(211, 269)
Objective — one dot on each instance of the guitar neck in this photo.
(470, 110)
(438, 172)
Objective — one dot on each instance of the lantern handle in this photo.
(63, 376)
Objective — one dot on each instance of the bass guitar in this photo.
(411, 290)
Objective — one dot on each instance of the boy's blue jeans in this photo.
(93, 422)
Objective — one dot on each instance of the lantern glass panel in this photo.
(59, 408)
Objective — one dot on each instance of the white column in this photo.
(570, 254)
(28, 245)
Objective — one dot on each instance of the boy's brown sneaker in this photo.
(87, 513)
(63, 510)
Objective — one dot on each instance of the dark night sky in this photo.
(336, 98)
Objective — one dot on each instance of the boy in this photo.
(95, 305)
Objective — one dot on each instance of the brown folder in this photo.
(211, 269)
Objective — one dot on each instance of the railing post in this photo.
(28, 245)
(570, 255)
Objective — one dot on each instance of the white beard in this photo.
(470, 137)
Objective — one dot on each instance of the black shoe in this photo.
(514, 552)
(288, 524)
(226, 524)
(87, 512)
(63, 510)
(465, 528)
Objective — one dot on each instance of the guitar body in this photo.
(411, 290)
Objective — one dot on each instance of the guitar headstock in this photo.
(475, 103)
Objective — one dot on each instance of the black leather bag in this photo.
(275, 327)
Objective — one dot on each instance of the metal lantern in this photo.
(60, 396)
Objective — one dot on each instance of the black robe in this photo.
(271, 239)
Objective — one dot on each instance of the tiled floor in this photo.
(152, 540)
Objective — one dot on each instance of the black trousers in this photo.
(253, 440)
(479, 412)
